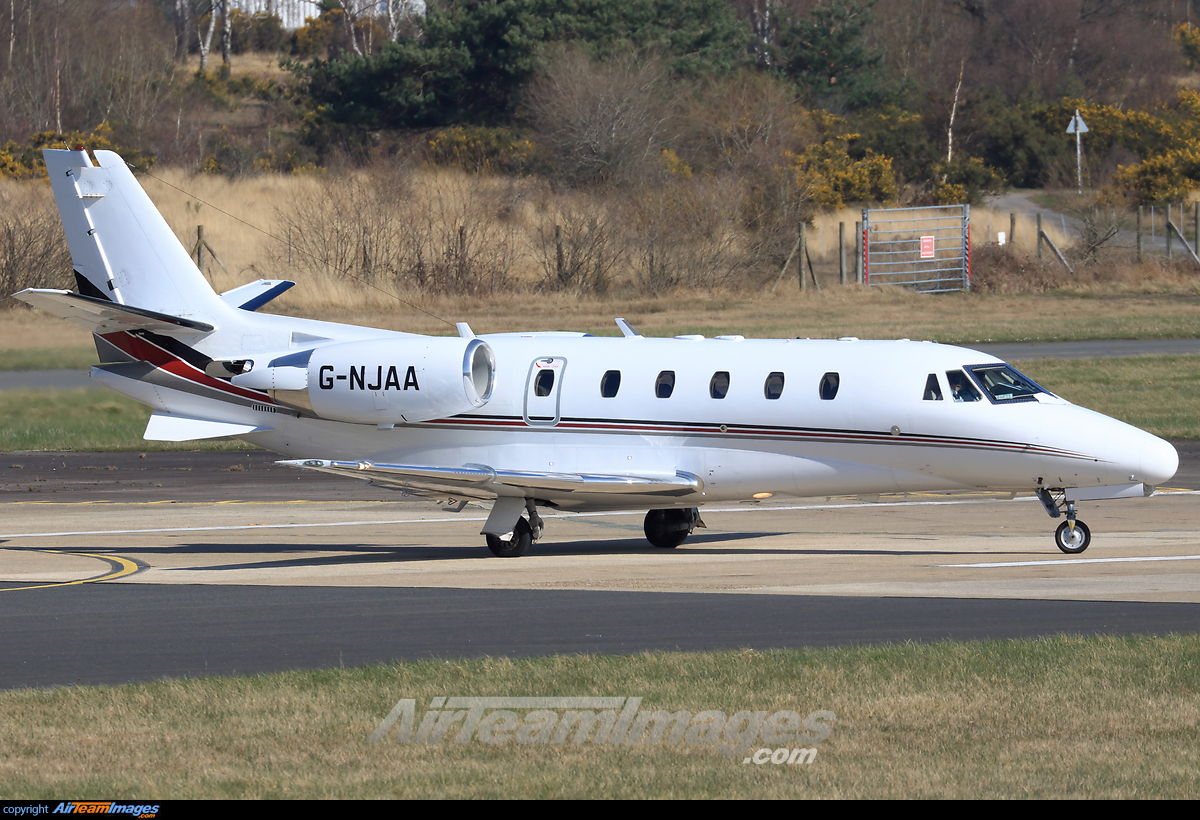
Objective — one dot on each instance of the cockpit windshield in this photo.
(1004, 384)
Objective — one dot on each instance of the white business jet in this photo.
(565, 421)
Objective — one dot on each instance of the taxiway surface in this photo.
(117, 567)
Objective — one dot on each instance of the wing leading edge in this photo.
(483, 482)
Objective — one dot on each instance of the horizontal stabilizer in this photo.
(103, 316)
(256, 294)
(479, 481)
(169, 427)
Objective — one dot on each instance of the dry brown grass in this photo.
(254, 63)
(27, 329)
(242, 220)
(1012, 269)
(1052, 718)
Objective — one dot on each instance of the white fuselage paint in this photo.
(878, 435)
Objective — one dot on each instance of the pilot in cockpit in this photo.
(960, 387)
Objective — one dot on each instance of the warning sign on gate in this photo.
(927, 247)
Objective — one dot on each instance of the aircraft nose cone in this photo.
(1159, 460)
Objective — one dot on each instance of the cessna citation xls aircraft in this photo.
(567, 421)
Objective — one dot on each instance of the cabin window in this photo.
(829, 386)
(719, 385)
(1004, 384)
(773, 388)
(933, 390)
(610, 383)
(664, 385)
(960, 386)
(544, 383)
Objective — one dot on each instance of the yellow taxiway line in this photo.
(120, 568)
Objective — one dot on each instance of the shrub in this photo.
(33, 250)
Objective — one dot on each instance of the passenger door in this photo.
(542, 390)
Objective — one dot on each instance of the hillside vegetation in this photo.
(591, 147)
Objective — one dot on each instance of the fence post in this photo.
(1139, 234)
(1196, 226)
(842, 252)
(1039, 237)
(803, 251)
(858, 267)
(1012, 228)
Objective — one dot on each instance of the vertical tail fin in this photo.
(121, 247)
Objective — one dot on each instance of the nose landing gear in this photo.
(1072, 540)
(1072, 535)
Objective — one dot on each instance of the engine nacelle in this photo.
(392, 381)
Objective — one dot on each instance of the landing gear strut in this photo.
(667, 529)
(1072, 536)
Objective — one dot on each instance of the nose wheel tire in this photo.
(515, 545)
(1074, 542)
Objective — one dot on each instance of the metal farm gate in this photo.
(926, 249)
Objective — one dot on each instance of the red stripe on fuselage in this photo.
(146, 351)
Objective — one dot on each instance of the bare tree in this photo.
(226, 31)
(604, 122)
(683, 234)
(206, 36)
(33, 253)
(579, 246)
(377, 230)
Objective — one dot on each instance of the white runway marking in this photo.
(740, 509)
(749, 508)
(1073, 561)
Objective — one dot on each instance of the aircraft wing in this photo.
(483, 482)
(103, 316)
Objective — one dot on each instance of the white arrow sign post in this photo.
(1077, 127)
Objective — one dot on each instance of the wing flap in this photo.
(481, 481)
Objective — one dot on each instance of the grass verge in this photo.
(91, 420)
(1063, 717)
(52, 358)
(1160, 394)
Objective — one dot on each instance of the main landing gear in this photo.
(667, 529)
(515, 543)
(1072, 535)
